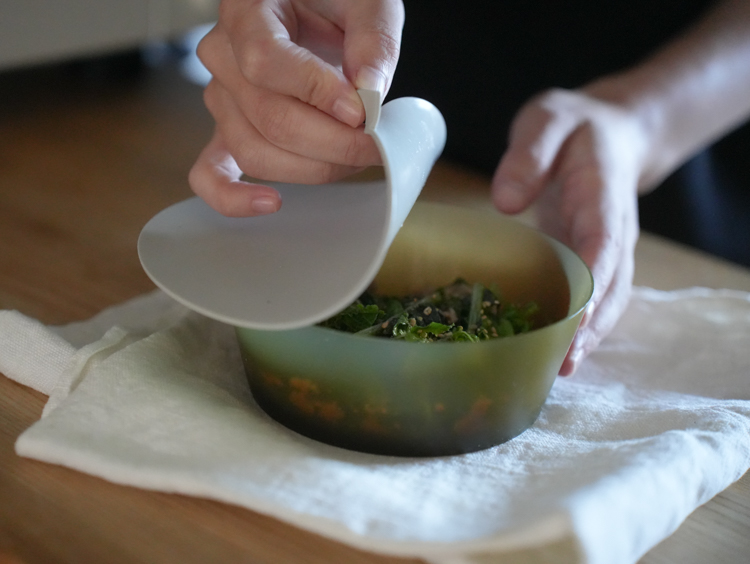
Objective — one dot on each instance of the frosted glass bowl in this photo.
(401, 398)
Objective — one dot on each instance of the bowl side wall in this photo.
(393, 397)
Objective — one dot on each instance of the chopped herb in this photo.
(356, 317)
(458, 312)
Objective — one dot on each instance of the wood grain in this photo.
(86, 158)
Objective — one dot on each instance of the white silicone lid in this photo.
(313, 257)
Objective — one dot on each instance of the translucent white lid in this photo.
(314, 256)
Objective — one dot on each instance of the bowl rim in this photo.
(487, 342)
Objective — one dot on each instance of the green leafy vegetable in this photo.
(459, 312)
(355, 318)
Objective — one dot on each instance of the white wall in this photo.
(35, 31)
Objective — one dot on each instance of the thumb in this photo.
(372, 43)
(537, 136)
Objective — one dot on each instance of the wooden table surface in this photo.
(85, 160)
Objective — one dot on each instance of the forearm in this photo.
(689, 93)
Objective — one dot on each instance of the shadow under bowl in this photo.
(393, 397)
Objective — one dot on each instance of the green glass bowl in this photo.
(401, 398)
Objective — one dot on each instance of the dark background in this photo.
(479, 61)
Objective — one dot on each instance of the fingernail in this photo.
(348, 111)
(511, 196)
(265, 205)
(369, 78)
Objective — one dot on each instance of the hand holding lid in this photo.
(313, 257)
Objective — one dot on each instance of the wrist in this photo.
(630, 93)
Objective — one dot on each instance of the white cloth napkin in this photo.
(655, 423)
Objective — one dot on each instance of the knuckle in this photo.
(352, 153)
(209, 92)
(254, 61)
(314, 89)
(388, 45)
(223, 204)
(542, 107)
(548, 104)
(202, 184)
(551, 97)
(556, 93)
(275, 122)
(356, 152)
(219, 198)
(209, 49)
(210, 98)
(259, 161)
(323, 173)
(226, 10)
(203, 50)
(226, 204)
(196, 178)
(249, 158)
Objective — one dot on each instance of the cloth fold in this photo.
(655, 423)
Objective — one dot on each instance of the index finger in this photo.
(263, 34)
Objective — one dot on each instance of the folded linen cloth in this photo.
(655, 423)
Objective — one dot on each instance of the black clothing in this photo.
(479, 61)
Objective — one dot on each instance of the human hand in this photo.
(283, 95)
(580, 158)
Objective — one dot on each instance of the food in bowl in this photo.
(394, 397)
(458, 312)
